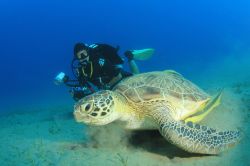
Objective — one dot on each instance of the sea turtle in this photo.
(162, 100)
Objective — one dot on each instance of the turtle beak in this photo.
(81, 111)
(77, 115)
(77, 112)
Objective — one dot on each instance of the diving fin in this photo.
(143, 54)
(205, 109)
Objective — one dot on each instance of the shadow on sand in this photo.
(152, 141)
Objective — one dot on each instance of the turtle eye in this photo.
(87, 107)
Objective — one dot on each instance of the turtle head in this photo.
(96, 109)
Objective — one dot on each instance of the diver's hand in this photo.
(61, 78)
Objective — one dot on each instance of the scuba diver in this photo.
(98, 66)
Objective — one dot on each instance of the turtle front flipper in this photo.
(194, 138)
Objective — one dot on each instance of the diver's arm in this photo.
(78, 89)
(62, 78)
(72, 83)
(79, 92)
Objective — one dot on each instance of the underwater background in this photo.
(206, 41)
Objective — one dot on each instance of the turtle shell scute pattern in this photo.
(159, 85)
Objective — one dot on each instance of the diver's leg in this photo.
(132, 65)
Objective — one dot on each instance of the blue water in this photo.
(37, 38)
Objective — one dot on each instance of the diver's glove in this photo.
(79, 92)
(61, 78)
(129, 55)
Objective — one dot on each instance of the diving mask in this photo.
(83, 54)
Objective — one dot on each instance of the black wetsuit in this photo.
(104, 64)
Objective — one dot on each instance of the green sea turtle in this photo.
(162, 100)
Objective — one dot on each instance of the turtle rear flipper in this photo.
(195, 138)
